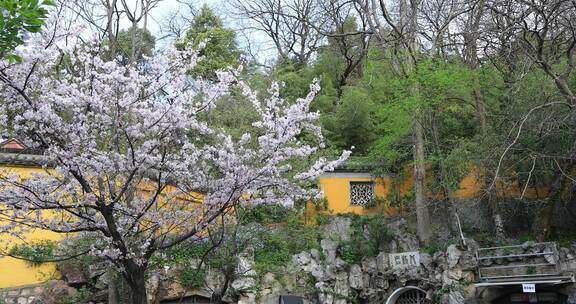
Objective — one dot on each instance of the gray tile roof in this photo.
(24, 159)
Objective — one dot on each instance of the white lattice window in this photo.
(361, 193)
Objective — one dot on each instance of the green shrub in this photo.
(192, 277)
(438, 246)
(369, 235)
(264, 214)
(274, 252)
(36, 253)
(446, 289)
(565, 238)
(300, 237)
(527, 238)
(350, 253)
(183, 253)
(274, 248)
(431, 249)
(322, 219)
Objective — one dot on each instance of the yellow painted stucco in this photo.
(337, 194)
(336, 189)
(14, 272)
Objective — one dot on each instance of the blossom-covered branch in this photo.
(132, 164)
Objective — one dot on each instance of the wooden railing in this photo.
(526, 261)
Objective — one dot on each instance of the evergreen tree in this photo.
(219, 50)
(135, 43)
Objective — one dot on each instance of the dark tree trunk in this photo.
(135, 276)
(218, 295)
(138, 292)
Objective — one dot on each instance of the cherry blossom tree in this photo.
(129, 161)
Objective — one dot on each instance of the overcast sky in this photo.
(256, 42)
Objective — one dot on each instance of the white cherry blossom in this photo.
(127, 159)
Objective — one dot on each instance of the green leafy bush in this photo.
(183, 253)
(275, 247)
(273, 252)
(264, 214)
(437, 246)
(369, 235)
(439, 293)
(565, 238)
(322, 219)
(350, 253)
(36, 253)
(192, 277)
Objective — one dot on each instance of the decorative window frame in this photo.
(372, 189)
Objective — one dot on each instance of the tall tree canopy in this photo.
(135, 43)
(218, 47)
